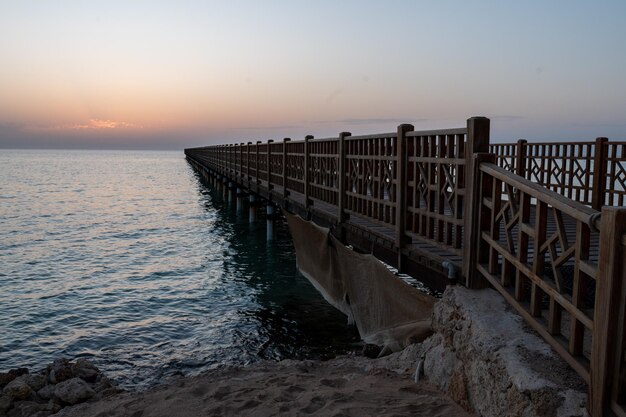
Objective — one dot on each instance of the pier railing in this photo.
(415, 185)
(534, 247)
(532, 220)
(593, 173)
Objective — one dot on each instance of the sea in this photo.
(128, 259)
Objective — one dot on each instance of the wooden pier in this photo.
(535, 221)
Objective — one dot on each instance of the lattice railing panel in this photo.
(262, 161)
(506, 155)
(276, 163)
(323, 170)
(238, 160)
(535, 247)
(566, 168)
(615, 186)
(436, 187)
(295, 166)
(371, 177)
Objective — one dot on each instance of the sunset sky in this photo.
(168, 75)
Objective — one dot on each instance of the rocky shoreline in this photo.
(62, 383)
(481, 360)
(352, 385)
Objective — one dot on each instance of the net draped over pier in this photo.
(387, 311)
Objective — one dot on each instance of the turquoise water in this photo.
(128, 259)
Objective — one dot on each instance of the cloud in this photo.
(91, 124)
(98, 124)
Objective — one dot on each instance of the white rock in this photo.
(485, 357)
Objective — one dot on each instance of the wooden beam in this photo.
(599, 174)
(341, 177)
(307, 187)
(520, 158)
(477, 142)
(605, 363)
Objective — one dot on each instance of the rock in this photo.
(41, 414)
(5, 403)
(46, 392)
(103, 383)
(18, 371)
(53, 406)
(18, 389)
(5, 378)
(35, 382)
(85, 370)
(108, 392)
(59, 371)
(73, 391)
(26, 409)
(484, 356)
(371, 351)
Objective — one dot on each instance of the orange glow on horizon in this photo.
(105, 124)
(91, 124)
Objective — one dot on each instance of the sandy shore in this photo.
(345, 386)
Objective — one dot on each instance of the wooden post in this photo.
(306, 171)
(237, 150)
(234, 159)
(599, 175)
(241, 165)
(520, 158)
(477, 142)
(228, 162)
(248, 176)
(607, 332)
(231, 155)
(269, 168)
(285, 192)
(479, 222)
(401, 189)
(341, 177)
(256, 166)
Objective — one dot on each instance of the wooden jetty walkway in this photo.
(538, 222)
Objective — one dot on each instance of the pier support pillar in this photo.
(224, 188)
(231, 192)
(240, 196)
(252, 217)
(270, 222)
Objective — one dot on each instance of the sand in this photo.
(345, 386)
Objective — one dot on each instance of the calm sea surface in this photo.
(126, 258)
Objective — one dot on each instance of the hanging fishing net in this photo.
(386, 310)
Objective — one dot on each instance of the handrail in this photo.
(527, 239)
(573, 208)
(411, 181)
(454, 131)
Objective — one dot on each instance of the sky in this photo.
(175, 74)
